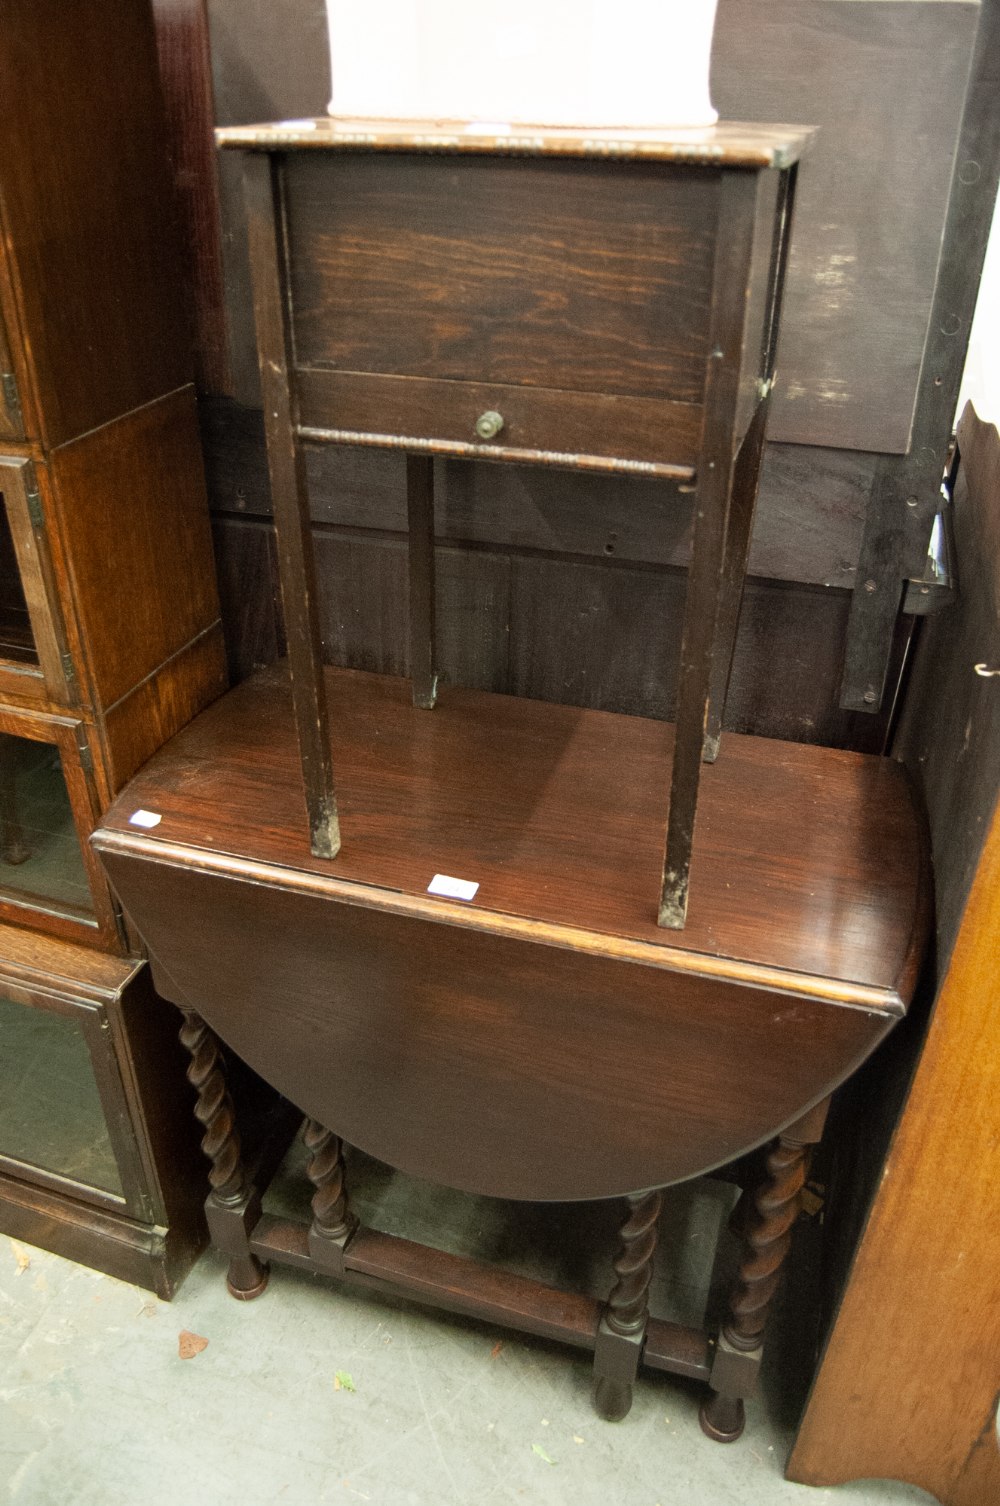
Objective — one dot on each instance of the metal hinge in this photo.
(938, 586)
(11, 396)
(35, 512)
(86, 756)
(69, 668)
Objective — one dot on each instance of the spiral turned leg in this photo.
(232, 1206)
(623, 1324)
(333, 1223)
(767, 1238)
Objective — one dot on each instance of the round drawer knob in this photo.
(488, 425)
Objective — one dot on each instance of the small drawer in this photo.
(493, 421)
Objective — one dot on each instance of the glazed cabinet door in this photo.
(49, 877)
(64, 1115)
(35, 666)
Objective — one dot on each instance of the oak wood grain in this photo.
(586, 276)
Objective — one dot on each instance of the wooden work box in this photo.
(601, 301)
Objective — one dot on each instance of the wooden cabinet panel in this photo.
(885, 82)
(101, 304)
(134, 527)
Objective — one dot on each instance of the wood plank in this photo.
(296, 570)
(185, 75)
(557, 429)
(132, 509)
(730, 331)
(884, 81)
(484, 270)
(497, 606)
(86, 362)
(464, 1054)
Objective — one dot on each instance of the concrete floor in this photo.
(98, 1409)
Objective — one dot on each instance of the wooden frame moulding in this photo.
(100, 926)
(92, 1015)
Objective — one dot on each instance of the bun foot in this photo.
(722, 1418)
(612, 1399)
(246, 1278)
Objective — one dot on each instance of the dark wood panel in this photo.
(247, 574)
(591, 617)
(949, 733)
(145, 718)
(78, 161)
(885, 82)
(516, 288)
(466, 1059)
(186, 79)
(134, 516)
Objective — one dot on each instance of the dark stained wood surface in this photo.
(296, 568)
(585, 276)
(558, 814)
(186, 76)
(133, 523)
(591, 431)
(483, 1061)
(728, 144)
(87, 364)
(729, 335)
(496, 605)
(543, 1041)
(426, 291)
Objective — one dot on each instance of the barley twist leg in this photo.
(623, 1323)
(231, 1191)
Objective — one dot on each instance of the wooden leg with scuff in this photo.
(622, 1329)
(333, 1223)
(767, 1237)
(233, 1206)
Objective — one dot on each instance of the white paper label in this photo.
(144, 818)
(452, 888)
